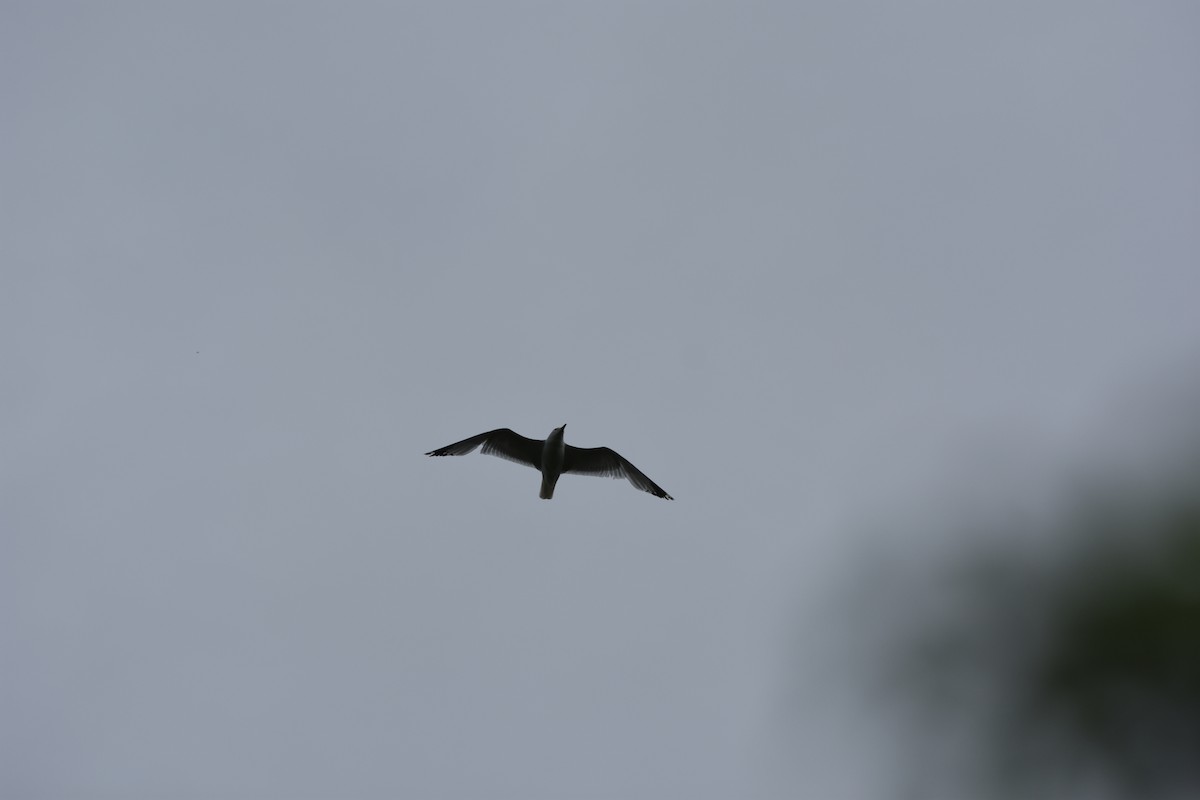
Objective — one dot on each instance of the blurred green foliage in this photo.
(1117, 673)
(1065, 660)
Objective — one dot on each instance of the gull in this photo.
(553, 457)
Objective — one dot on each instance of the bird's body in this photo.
(554, 453)
(553, 457)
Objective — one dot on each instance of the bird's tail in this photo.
(547, 488)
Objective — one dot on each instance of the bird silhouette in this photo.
(553, 457)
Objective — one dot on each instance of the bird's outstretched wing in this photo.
(502, 442)
(606, 462)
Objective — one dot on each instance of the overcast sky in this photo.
(796, 261)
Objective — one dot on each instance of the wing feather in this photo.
(502, 442)
(608, 463)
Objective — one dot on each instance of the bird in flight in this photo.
(553, 457)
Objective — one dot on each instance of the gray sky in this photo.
(795, 261)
